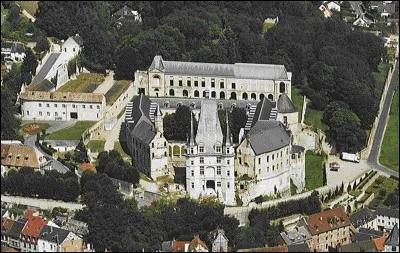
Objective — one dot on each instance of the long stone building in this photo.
(242, 81)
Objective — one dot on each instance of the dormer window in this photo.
(218, 149)
(201, 149)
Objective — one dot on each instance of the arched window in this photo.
(166, 104)
(271, 97)
(244, 96)
(233, 105)
(213, 94)
(171, 92)
(282, 87)
(179, 104)
(193, 105)
(204, 94)
(185, 93)
(253, 96)
(233, 96)
(220, 105)
(262, 96)
(156, 80)
(222, 95)
(196, 94)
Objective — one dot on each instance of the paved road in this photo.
(41, 203)
(106, 85)
(373, 159)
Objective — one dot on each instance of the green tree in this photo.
(42, 44)
(10, 124)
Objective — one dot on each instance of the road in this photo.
(106, 85)
(26, 14)
(41, 203)
(373, 159)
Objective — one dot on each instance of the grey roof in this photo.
(362, 217)
(77, 227)
(285, 105)
(387, 8)
(53, 234)
(166, 246)
(78, 39)
(393, 238)
(209, 128)
(45, 85)
(268, 135)
(13, 47)
(366, 234)
(261, 112)
(141, 128)
(383, 211)
(17, 227)
(299, 247)
(45, 69)
(237, 70)
(365, 246)
(297, 149)
(125, 12)
(296, 236)
(355, 5)
(63, 143)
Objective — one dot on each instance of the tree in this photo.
(392, 199)
(72, 189)
(42, 44)
(348, 187)
(259, 199)
(13, 16)
(354, 185)
(382, 192)
(10, 124)
(67, 156)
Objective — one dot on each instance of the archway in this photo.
(245, 96)
(262, 96)
(204, 94)
(171, 92)
(210, 184)
(185, 93)
(282, 87)
(233, 96)
(196, 93)
(253, 96)
(177, 151)
(222, 95)
(271, 97)
(213, 94)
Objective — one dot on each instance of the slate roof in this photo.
(125, 12)
(62, 96)
(366, 234)
(53, 234)
(236, 70)
(365, 246)
(296, 236)
(268, 135)
(166, 246)
(141, 128)
(44, 70)
(209, 130)
(389, 212)
(78, 39)
(297, 149)
(17, 227)
(362, 217)
(393, 238)
(45, 85)
(285, 105)
(299, 247)
(319, 223)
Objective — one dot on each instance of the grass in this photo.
(71, 133)
(30, 6)
(314, 170)
(116, 90)
(85, 82)
(355, 193)
(267, 26)
(118, 147)
(297, 100)
(388, 184)
(41, 127)
(96, 145)
(389, 155)
(145, 178)
(121, 113)
(380, 76)
(313, 118)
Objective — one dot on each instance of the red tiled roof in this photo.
(6, 224)
(87, 166)
(179, 246)
(19, 156)
(380, 243)
(34, 225)
(328, 220)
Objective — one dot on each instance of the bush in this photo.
(259, 199)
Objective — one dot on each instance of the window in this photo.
(218, 149)
(277, 166)
(40, 104)
(165, 143)
(152, 155)
(259, 160)
(188, 83)
(55, 105)
(218, 159)
(191, 150)
(48, 113)
(73, 106)
(152, 145)
(228, 173)
(98, 106)
(192, 185)
(222, 84)
(272, 157)
(281, 154)
(212, 83)
(203, 82)
(277, 155)
(171, 82)
(218, 170)
(91, 106)
(293, 156)
(180, 82)
(201, 170)
(240, 160)
(267, 169)
(196, 83)
(202, 160)
(227, 150)
(56, 114)
(40, 113)
(218, 184)
(63, 106)
(233, 86)
(192, 173)
(298, 156)
(201, 149)
(192, 162)
(267, 158)
(273, 167)
(83, 106)
(228, 185)
(47, 105)
(228, 161)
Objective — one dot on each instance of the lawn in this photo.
(145, 178)
(313, 118)
(29, 6)
(388, 184)
(118, 147)
(389, 155)
(34, 128)
(71, 133)
(96, 145)
(380, 76)
(85, 82)
(121, 113)
(116, 90)
(314, 170)
(297, 100)
(267, 26)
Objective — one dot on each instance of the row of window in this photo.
(73, 106)
(203, 83)
(228, 185)
(217, 149)
(228, 172)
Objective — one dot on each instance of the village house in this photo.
(53, 239)
(30, 233)
(196, 245)
(13, 51)
(17, 156)
(127, 13)
(364, 218)
(298, 235)
(387, 218)
(392, 241)
(218, 241)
